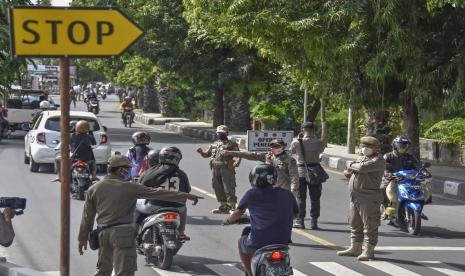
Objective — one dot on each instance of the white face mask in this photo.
(367, 151)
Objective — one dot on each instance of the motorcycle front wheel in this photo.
(413, 220)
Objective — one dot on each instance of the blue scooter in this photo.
(410, 199)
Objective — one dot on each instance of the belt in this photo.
(220, 162)
(102, 227)
(308, 165)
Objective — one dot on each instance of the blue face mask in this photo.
(126, 175)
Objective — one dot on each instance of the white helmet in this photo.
(44, 105)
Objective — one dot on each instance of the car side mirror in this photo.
(105, 128)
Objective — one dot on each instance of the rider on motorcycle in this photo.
(271, 223)
(137, 153)
(167, 175)
(127, 103)
(398, 160)
(44, 106)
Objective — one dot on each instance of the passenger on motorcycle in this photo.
(137, 153)
(398, 160)
(150, 160)
(271, 223)
(168, 176)
(127, 103)
(81, 144)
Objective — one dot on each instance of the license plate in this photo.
(168, 231)
(81, 175)
(278, 271)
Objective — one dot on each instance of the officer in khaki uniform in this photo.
(365, 198)
(113, 201)
(223, 169)
(285, 165)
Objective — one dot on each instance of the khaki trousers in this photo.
(364, 218)
(117, 251)
(224, 184)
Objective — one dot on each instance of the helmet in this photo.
(153, 157)
(140, 138)
(44, 105)
(277, 143)
(401, 144)
(263, 175)
(222, 128)
(72, 126)
(170, 155)
(127, 98)
(82, 126)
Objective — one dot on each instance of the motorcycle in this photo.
(93, 106)
(158, 236)
(127, 117)
(80, 179)
(103, 95)
(406, 212)
(270, 260)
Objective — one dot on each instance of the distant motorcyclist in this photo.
(271, 223)
(3, 116)
(398, 160)
(127, 104)
(137, 153)
(168, 176)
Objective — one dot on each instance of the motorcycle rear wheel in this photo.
(413, 221)
(165, 259)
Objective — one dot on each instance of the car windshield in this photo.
(54, 123)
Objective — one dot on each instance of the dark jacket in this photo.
(167, 177)
(81, 145)
(396, 162)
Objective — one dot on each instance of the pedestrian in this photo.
(307, 149)
(365, 198)
(112, 200)
(72, 95)
(280, 159)
(223, 170)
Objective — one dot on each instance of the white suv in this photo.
(41, 141)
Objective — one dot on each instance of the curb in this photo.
(450, 188)
(154, 120)
(447, 187)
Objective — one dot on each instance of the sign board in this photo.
(260, 140)
(71, 32)
(48, 70)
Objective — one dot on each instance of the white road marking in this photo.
(298, 273)
(443, 268)
(390, 269)
(225, 269)
(174, 271)
(419, 248)
(335, 268)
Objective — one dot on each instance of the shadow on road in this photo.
(440, 232)
(196, 220)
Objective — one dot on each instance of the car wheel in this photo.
(26, 159)
(33, 166)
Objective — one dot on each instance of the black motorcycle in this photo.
(127, 117)
(80, 179)
(93, 106)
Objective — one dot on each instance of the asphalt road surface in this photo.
(439, 250)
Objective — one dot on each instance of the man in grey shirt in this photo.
(306, 150)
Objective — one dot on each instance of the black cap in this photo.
(278, 141)
(308, 125)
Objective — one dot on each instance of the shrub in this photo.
(448, 131)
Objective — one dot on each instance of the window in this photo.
(53, 123)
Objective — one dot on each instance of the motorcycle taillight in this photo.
(276, 256)
(81, 164)
(170, 216)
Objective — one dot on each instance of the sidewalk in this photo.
(447, 181)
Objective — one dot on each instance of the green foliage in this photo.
(448, 131)
(268, 111)
(137, 71)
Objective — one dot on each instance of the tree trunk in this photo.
(350, 131)
(140, 97)
(165, 95)
(150, 98)
(241, 111)
(227, 107)
(311, 115)
(324, 124)
(377, 125)
(218, 110)
(412, 125)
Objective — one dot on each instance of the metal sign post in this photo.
(65, 175)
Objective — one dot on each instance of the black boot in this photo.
(315, 224)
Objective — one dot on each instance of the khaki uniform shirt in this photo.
(313, 147)
(285, 165)
(114, 200)
(366, 178)
(216, 154)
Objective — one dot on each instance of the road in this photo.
(439, 250)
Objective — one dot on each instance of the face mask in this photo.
(126, 174)
(367, 151)
(222, 136)
(277, 151)
(402, 150)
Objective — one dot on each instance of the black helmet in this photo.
(140, 138)
(170, 155)
(263, 175)
(401, 144)
(72, 126)
(153, 157)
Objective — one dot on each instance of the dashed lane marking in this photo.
(225, 269)
(390, 269)
(335, 268)
(174, 271)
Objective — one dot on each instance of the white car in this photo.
(41, 141)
